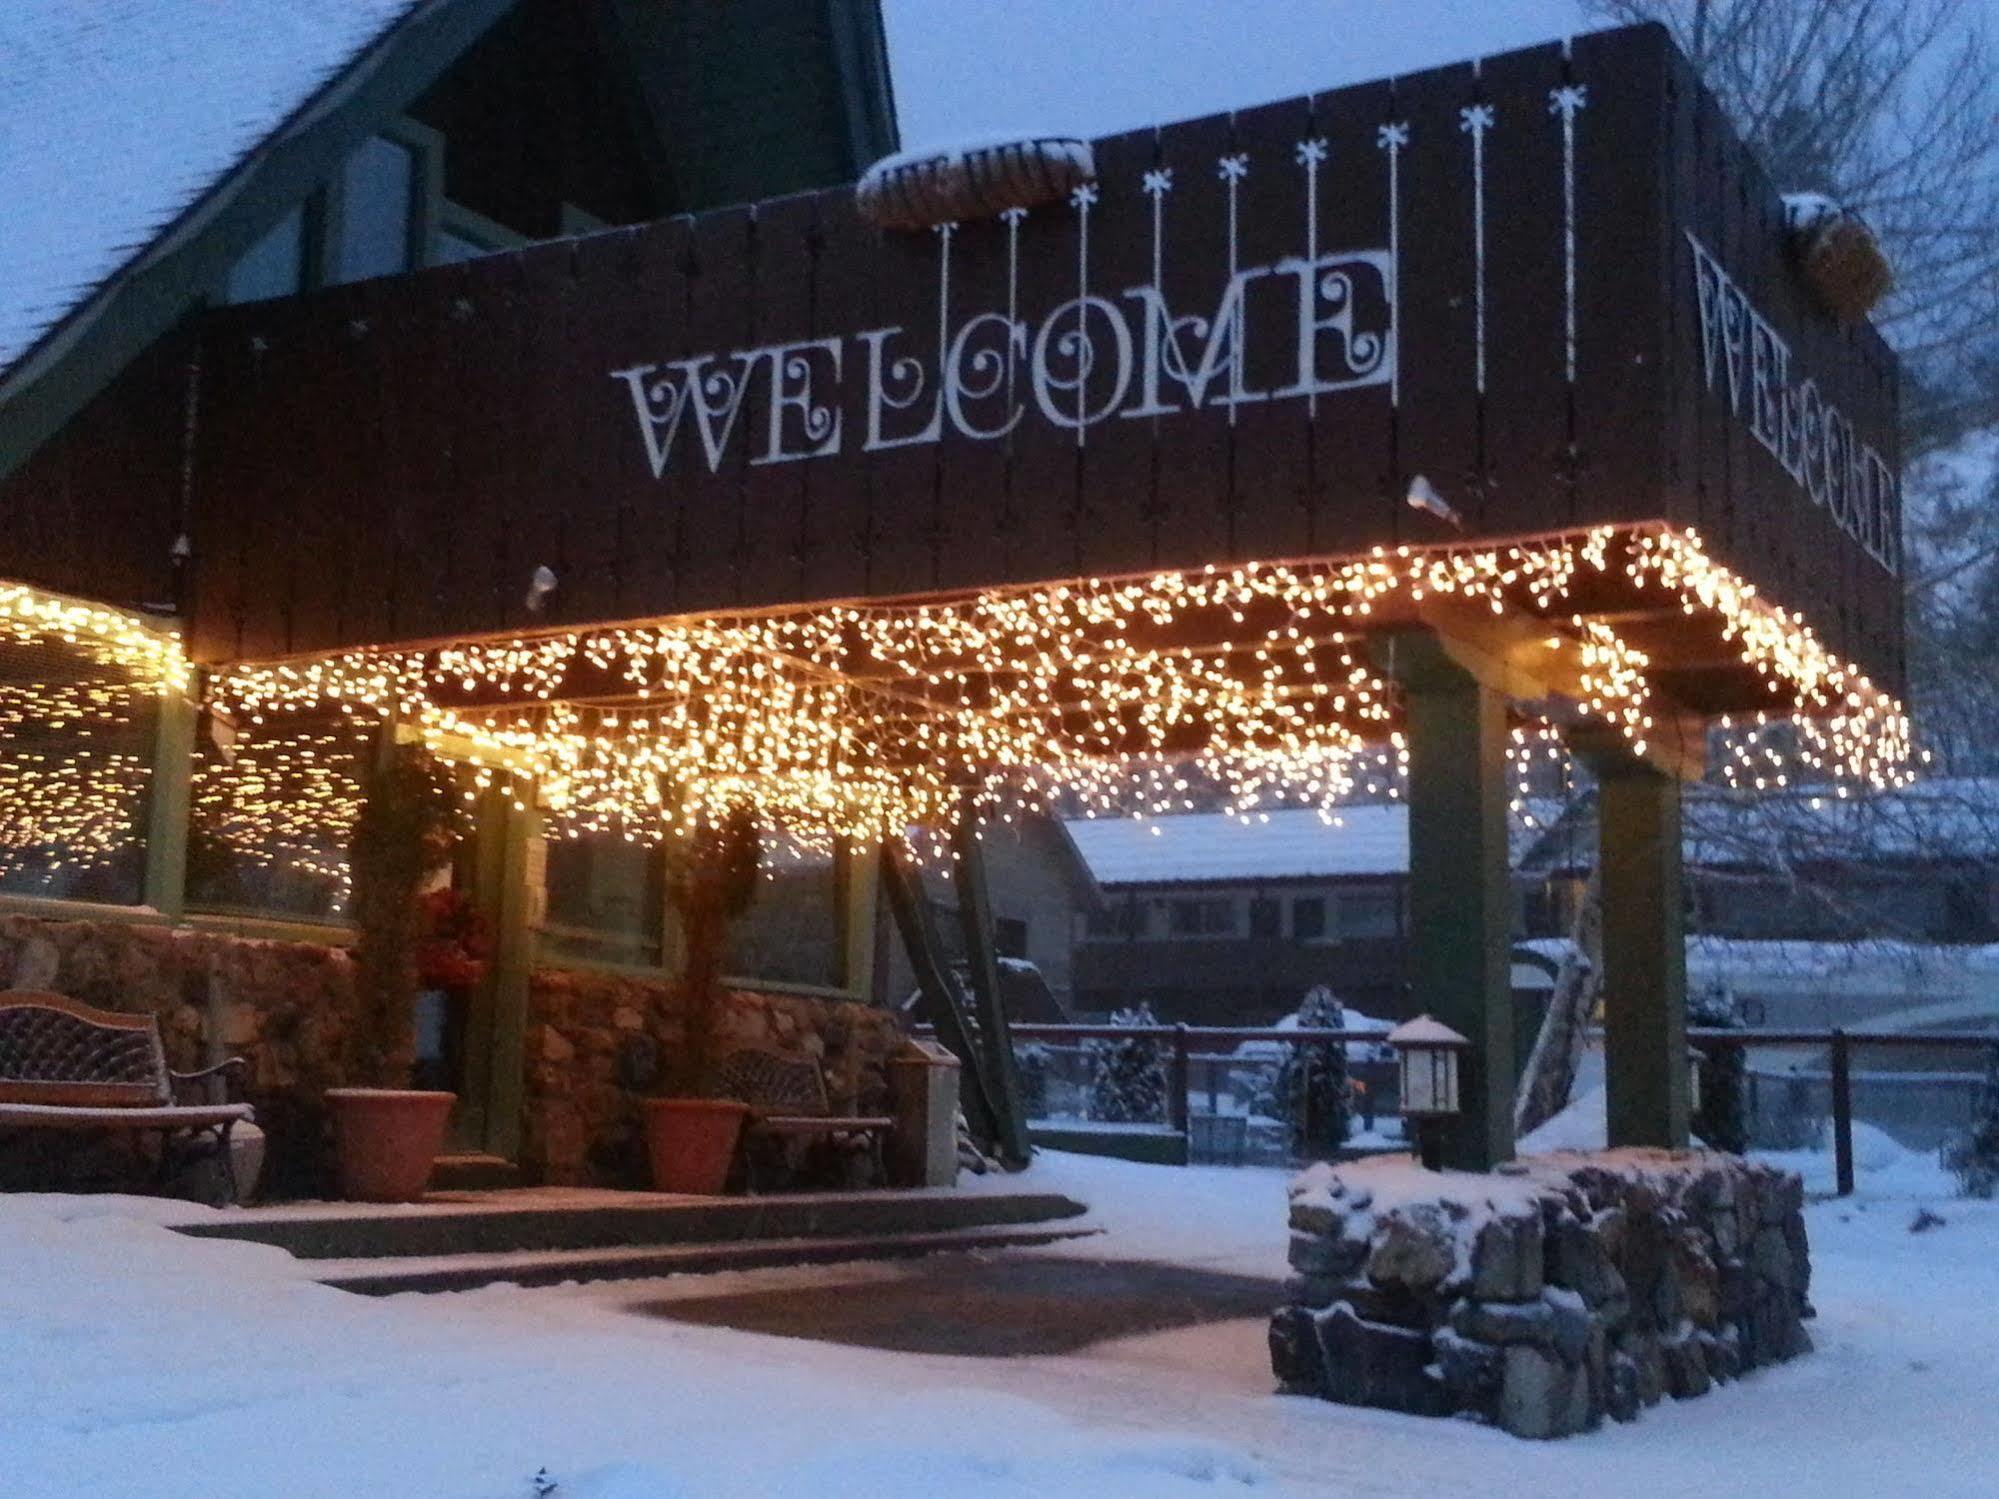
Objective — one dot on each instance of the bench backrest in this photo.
(773, 1082)
(58, 1050)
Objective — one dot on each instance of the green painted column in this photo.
(1644, 951)
(172, 795)
(1460, 902)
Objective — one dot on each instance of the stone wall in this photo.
(285, 1007)
(596, 1044)
(1547, 1296)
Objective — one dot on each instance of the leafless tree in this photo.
(1891, 107)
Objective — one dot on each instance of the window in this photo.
(794, 930)
(378, 187)
(76, 762)
(1368, 912)
(1266, 917)
(1308, 918)
(606, 899)
(274, 266)
(462, 234)
(1202, 916)
(273, 804)
(1010, 936)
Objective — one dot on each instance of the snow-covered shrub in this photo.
(1128, 1077)
(1311, 1083)
(1973, 1157)
(1030, 1063)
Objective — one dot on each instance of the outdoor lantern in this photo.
(1427, 1052)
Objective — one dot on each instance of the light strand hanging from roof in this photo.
(1253, 684)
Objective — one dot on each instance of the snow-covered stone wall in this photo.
(1544, 1297)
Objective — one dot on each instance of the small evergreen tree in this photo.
(1030, 1061)
(1312, 1080)
(1973, 1157)
(1128, 1078)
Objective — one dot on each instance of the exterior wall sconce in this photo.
(1428, 1053)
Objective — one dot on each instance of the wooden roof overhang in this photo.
(1489, 309)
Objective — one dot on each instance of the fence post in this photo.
(1842, 1113)
(1177, 1081)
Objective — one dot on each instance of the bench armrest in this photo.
(229, 1069)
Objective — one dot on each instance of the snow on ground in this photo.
(144, 1363)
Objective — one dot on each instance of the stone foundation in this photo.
(594, 1044)
(597, 1044)
(1546, 1296)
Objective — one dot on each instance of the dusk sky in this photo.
(970, 68)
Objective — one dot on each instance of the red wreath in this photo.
(454, 947)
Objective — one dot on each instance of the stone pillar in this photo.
(1644, 951)
(1460, 902)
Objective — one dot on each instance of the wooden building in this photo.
(1396, 418)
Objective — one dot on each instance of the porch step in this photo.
(547, 1220)
(466, 1272)
(473, 1172)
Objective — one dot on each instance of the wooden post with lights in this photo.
(1460, 906)
(172, 796)
(1644, 951)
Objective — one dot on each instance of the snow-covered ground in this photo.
(138, 1362)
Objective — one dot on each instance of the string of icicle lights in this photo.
(75, 733)
(1241, 687)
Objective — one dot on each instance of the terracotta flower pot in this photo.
(385, 1140)
(692, 1142)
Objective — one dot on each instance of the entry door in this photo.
(492, 870)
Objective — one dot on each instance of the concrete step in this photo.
(549, 1220)
(466, 1272)
(471, 1171)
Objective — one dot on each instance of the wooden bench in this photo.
(787, 1099)
(65, 1065)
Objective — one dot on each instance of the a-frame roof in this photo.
(131, 129)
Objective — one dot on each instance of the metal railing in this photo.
(1186, 1050)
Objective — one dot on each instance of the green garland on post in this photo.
(710, 881)
(412, 818)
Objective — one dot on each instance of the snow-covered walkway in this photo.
(139, 1362)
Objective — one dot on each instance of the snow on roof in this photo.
(117, 115)
(1210, 846)
(1287, 844)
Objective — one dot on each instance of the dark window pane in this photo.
(792, 931)
(606, 900)
(1203, 916)
(274, 266)
(1308, 918)
(376, 195)
(1266, 918)
(1367, 913)
(1010, 936)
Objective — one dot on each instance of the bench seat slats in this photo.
(163, 1116)
(823, 1123)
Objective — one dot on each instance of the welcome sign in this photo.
(1550, 284)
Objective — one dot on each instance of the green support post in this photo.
(172, 797)
(496, 1031)
(1644, 949)
(1460, 901)
(982, 959)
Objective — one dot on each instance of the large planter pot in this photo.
(385, 1140)
(692, 1142)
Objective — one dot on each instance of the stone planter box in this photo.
(1544, 1297)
